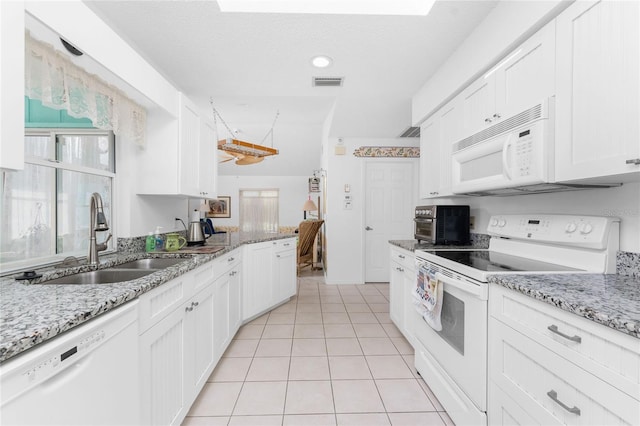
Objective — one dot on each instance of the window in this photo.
(259, 210)
(45, 207)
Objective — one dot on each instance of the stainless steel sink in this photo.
(150, 263)
(102, 276)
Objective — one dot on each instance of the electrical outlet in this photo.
(472, 222)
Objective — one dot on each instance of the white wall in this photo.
(510, 23)
(622, 202)
(292, 195)
(344, 229)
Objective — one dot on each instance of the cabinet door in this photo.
(409, 283)
(189, 158)
(478, 105)
(257, 279)
(162, 355)
(396, 298)
(429, 158)
(235, 300)
(201, 322)
(597, 101)
(285, 278)
(223, 307)
(450, 132)
(527, 75)
(208, 161)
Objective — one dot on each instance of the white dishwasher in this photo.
(86, 376)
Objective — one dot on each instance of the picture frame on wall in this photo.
(219, 207)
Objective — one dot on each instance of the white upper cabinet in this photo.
(429, 158)
(188, 148)
(450, 132)
(208, 160)
(180, 157)
(597, 101)
(12, 85)
(523, 78)
(436, 137)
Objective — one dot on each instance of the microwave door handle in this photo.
(505, 162)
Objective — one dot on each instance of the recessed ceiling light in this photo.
(321, 61)
(346, 7)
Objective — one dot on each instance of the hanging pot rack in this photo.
(245, 153)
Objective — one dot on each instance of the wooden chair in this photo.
(307, 231)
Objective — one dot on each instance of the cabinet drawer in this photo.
(202, 276)
(551, 388)
(286, 244)
(228, 260)
(502, 410)
(404, 257)
(608, 354)
(161, 301)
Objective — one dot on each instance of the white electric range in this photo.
(453, 360)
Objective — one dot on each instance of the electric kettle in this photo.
(199, 230)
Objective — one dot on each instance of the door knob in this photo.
(368, 228)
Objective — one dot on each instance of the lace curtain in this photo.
(60, 84)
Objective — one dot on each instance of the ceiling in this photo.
(253, 65)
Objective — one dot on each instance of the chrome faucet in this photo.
(98, 223)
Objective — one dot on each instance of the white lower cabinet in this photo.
(162, 371)
(228, 305)
(401, 282)
(550, 367)
(269, 275)
(284, 277)
(186, 325)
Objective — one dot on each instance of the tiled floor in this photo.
(330, 356)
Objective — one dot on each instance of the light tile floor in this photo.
(330, 356)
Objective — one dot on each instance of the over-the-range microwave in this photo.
(510, 156)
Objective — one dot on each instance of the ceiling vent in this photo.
(411, 132)
(328, 81)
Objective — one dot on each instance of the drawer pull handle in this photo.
(401, 256)
(554, 329)
(231, 259)
(399, 269)
(188, 309)
(554, 396)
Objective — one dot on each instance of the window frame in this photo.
(57, 165)
(258, 190)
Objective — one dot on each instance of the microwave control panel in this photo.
(524, 158)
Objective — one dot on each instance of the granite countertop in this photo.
(31, 314)
(612, 300)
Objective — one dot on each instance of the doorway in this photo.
(388, 212)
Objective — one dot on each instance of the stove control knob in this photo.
(502, 223)
(586, 228)
(494, 222)
(571, 227)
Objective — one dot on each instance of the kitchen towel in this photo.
(427, 297)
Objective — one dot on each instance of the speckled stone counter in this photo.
(611, 300)
(31, 314)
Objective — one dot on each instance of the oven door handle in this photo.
(480, 291)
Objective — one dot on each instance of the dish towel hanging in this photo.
(427, 297)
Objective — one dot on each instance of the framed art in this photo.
(219, 207)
